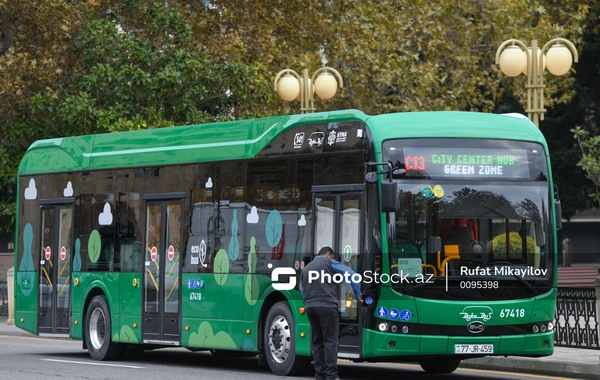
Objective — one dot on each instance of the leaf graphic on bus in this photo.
(77, 258)
(234, 245)
(252, 256)
(205, 337)
(273, 228)
(27, 260)
(251, 289)
(126, 335)
(94, 245)
(221, 266)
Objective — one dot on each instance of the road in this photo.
(36, 358)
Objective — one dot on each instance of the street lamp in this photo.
(292, 86)
(514, 58)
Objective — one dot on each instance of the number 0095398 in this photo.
(473, 348)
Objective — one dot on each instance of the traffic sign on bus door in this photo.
(63, 253)
(48, 252)
(171, 252)
(153, 254)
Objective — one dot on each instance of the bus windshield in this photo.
(456, 224)
(482, 224)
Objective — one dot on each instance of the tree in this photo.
(71, 68)
(142, 68)
(570, 169)
(393, 56)
(590, 149)
(114, 65)
(34, 55)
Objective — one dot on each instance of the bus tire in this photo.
(439, 365)
(98, 332)
(280, 342)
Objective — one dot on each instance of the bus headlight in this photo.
(383, 326)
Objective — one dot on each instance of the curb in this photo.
(533, 366)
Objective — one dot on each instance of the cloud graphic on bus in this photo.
(31, 191)
(252, 218)
(105, 218)
(302, 221)
(68, 191)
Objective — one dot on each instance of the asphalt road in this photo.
(34, 358)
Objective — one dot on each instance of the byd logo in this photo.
(283, 272)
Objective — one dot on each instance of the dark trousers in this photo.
(324, 327)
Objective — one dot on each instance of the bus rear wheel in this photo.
(98, 332)
(439, 365)
(280, 343)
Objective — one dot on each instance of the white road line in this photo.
(92, 363)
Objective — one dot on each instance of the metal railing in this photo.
(3, 297)
(576, 318)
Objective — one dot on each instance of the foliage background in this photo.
(70, 67)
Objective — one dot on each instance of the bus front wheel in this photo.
(440, 365)
(280, 342)
(98, 332)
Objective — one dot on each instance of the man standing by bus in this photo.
(321, 300)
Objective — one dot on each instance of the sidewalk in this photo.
(566, 362)
(576, 363)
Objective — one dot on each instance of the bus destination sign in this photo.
(435, 162)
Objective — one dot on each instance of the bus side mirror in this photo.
(389, 196)
(558, 210)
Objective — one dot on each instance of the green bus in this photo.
(194, 236)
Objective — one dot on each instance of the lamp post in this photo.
(324, 83)
(514, 58)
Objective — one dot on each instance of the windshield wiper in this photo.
(527, 284)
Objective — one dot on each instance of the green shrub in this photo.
(515, 248)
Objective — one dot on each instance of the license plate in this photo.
(473, 348)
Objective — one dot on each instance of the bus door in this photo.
(54, 312)
(162, 283)
(338, 223)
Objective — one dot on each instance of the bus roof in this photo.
(245, 138)
(453, 124)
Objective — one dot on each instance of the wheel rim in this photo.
(280, 339)
(97, 328)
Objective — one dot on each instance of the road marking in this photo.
(92, 363)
